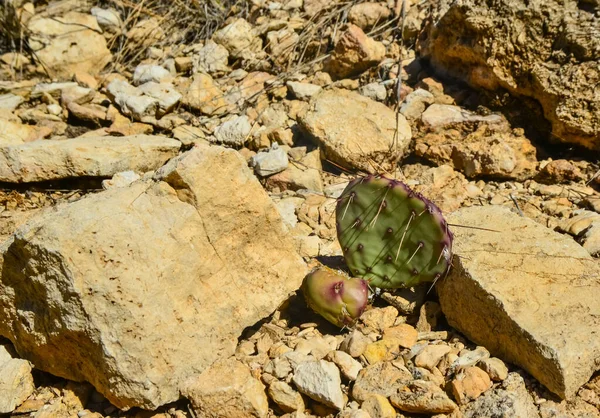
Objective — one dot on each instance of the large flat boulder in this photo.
(137, 289)
(86, 156)
(526, 293)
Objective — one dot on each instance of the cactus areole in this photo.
(390, 235)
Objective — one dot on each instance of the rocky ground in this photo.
(170, 173)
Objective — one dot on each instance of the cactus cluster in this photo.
(391, 237)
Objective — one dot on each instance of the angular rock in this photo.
(205, 96)
(495, 368)
(366, 15)
(526, 293)
(286, 397)
(347, 365)
(211, 58)
(354, 53)
(238, 38)
(144, 73)
(559, 171)
(560, 82)
(341, 121)
(10, 101)
(469, 358)
(281, 43)
(382, 378)
(303, 91)
(355, 343)
(469, 384)
(138, 289)
(374, 91)
(85, 156)
(431, 355)
(270, 162)
(108, 19)
(386, 349)
(441, 115)
(422, 397)
(320, 380)
(68, 44)
(415, 103)
(510, 399)
(405, 334)
(15, 132)
(577, 408)
(378, 407)
(302, 174)
(227, 389)
(487, 151)
(164, 93)
(16, 381)
(234, 132)
(122, 179)
(379, 318)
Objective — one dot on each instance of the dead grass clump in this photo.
(12, 32)
(162, 23)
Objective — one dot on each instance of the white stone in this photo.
(16, 381)
(270, 162)
(440, 115)
(234, 132)
(107, 18)
(347, 365)
(122, 179)
(320, 380)
(303, 91)
(165, 93)
(238, 38)
(10, 101)
(374, 91)
(211, 58)
(149, 72)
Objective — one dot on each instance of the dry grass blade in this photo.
(12, 33)
(178, 23)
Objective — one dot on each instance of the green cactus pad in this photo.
(336, 297)
(390, 235)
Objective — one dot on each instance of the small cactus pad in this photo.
(390, 235)
(336, 297)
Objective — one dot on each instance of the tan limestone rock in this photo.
(340, 121)
(227, 389)
(354, 53)
(139, 289)
(16, 381)
(205, 96)
(405, 334)
(422, 397)
(86, 156)
(526, 293)
(469, 384)
(69, 44)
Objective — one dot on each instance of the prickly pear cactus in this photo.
(336, 297)
(390, 235)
